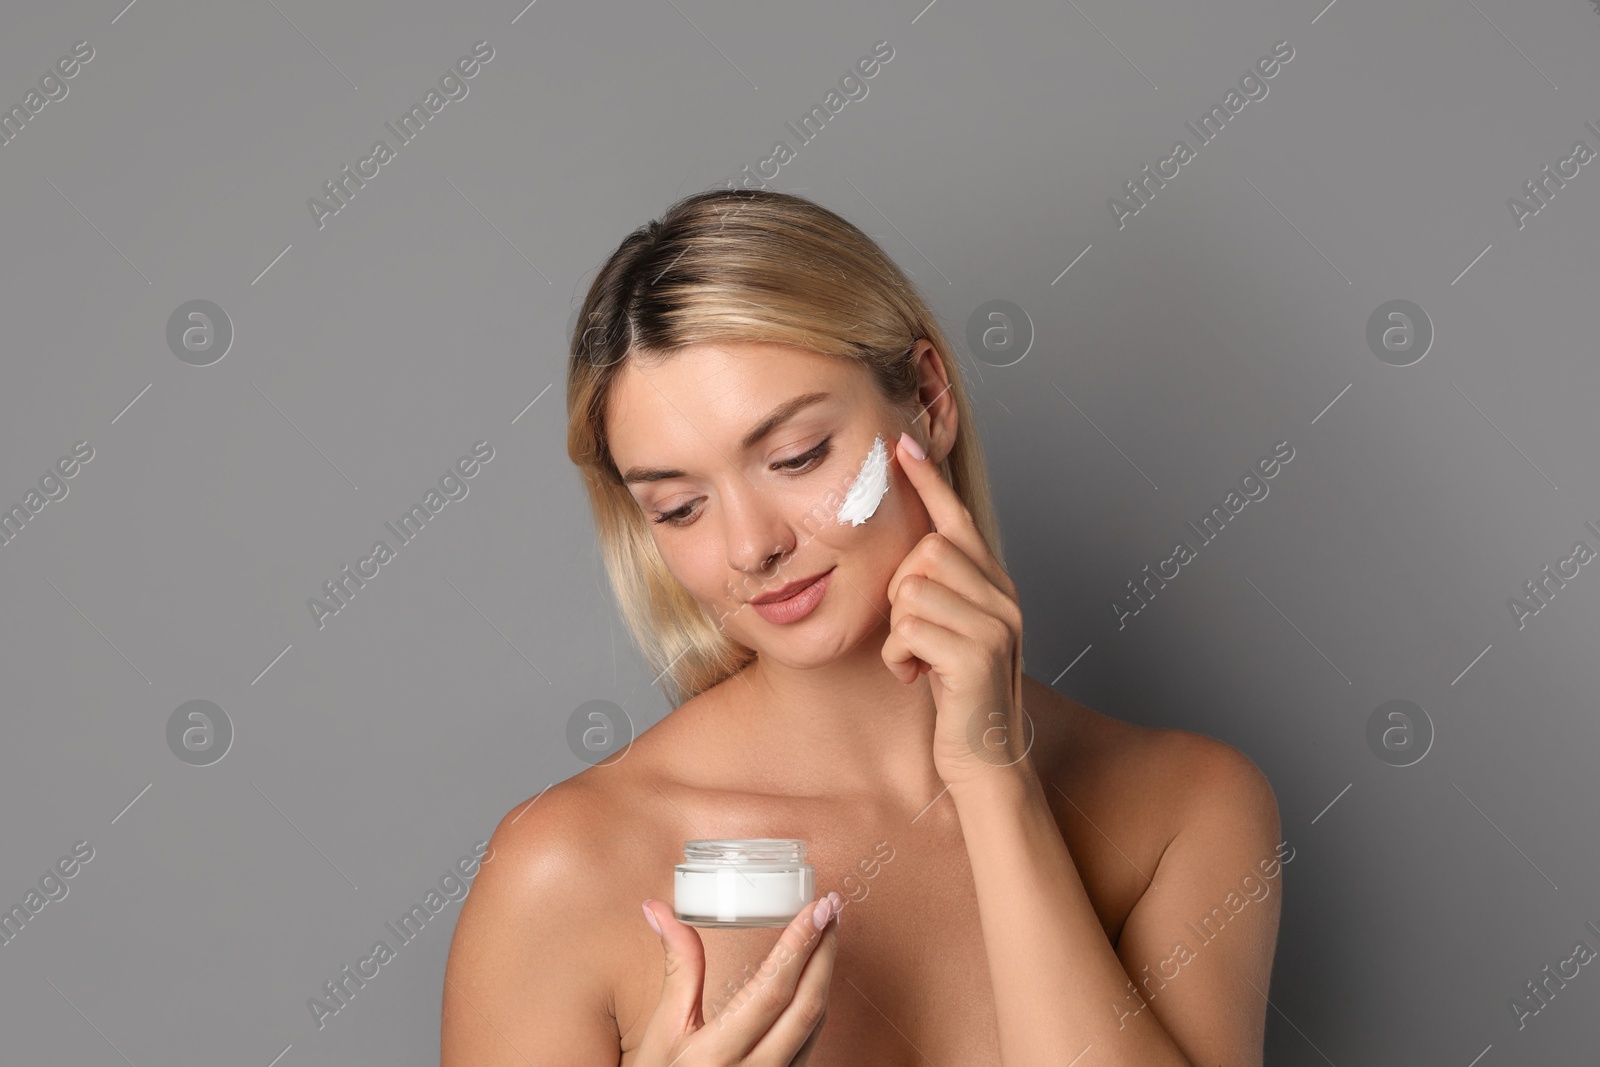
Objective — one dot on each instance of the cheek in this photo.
(898, 517)
(697, 564)
(875, 548)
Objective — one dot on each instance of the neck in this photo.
(851, 726)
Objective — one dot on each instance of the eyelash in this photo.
(681, 517)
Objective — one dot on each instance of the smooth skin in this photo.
(1011, 862)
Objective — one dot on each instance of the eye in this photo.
(673, 518)
(800, 464)
(803, 462)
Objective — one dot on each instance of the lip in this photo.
(807, 594)
(784, 592)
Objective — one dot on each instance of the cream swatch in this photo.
(869, 487)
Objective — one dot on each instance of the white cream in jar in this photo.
(742, 882)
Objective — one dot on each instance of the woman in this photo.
(1026, 880)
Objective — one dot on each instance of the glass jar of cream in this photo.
(742, 882)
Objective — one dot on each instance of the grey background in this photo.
(1228, 315)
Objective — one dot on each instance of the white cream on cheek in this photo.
(869, 487)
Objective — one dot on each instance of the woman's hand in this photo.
(955, 617)
(775, 1018)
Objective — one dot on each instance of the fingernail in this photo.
(912, 446)
(649, 917)
(819, 914)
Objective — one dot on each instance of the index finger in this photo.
(751, 1013)
(950, 516)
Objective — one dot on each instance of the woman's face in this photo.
(737, 451)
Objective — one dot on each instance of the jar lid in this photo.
(743, 850)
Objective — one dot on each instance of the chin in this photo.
(806, 652)
(823, 637)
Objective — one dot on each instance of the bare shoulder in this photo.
(1212, 780)
(527, 961)
(570, 844)
(550, 844)
(1172, 775)
(1200, 820)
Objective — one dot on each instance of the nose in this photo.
(758, 535)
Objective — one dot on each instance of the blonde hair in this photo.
(731, 265)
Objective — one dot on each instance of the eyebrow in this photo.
(779, 415)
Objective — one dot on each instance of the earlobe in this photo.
(938, 433)
(922, 430)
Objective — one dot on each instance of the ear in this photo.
(935, 425)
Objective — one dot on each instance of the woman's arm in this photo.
(519, 991)
(1061, 988)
